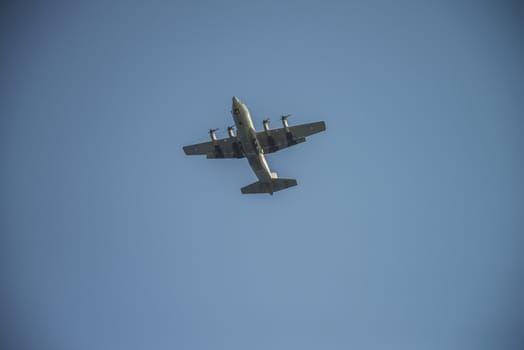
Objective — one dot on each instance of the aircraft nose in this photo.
(236, 106)
(236, 101)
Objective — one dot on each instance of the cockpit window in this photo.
(236, 111)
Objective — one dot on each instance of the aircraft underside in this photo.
(254, 145)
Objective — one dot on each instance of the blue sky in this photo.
(405, 231)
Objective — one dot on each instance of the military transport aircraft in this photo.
(249, 143)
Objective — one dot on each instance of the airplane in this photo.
(253, 145)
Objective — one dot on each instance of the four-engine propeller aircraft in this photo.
(249, 143)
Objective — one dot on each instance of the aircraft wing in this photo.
(282, 138)
(222, 148)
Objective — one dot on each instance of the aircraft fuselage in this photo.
(247, 136)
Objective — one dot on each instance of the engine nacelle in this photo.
(231, 132)
(265, 122)
(284, 122)
(213, 135)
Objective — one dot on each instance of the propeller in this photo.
(265, 123)
(231, 130)
(212, 134)
(283, 118)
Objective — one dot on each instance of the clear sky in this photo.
(405, 230)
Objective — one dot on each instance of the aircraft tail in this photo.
(269, 187)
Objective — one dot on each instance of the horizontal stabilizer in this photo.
(269, 187)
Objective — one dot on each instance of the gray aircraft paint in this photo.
(253, 145)
(247, 136)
